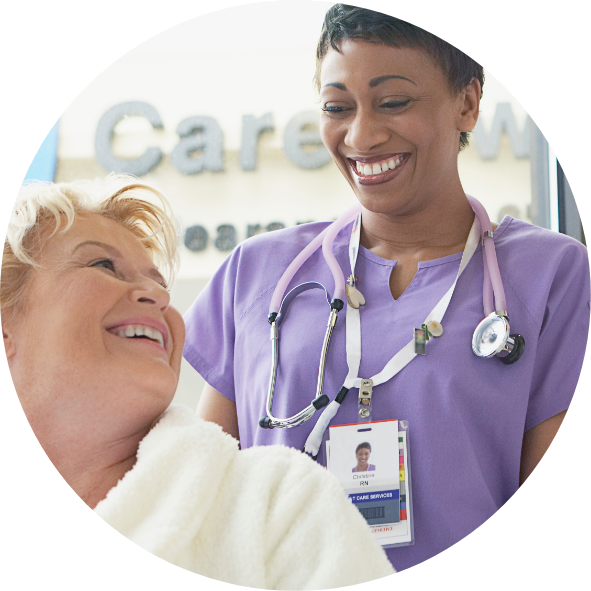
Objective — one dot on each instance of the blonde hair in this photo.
(43, 209)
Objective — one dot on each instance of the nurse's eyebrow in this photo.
(153, 272)
(372, 83)
(375, 81)
(338, 85)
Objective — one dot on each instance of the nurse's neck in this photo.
(424, 231)
(436, 227)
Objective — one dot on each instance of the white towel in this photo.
(266, 517)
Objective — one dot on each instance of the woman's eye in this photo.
(395, 104)
(105, 264)
(334, 109)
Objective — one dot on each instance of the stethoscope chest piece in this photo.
(492, 337)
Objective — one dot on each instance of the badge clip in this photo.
(365, 394)
(423, 334)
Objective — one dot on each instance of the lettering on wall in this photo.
(199, 135)
(300, 132)
(488, 142)
(251, 130)
(200, 146)
(196, 237)
(104, 137)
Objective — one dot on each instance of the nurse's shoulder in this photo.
(519, 243)
(537, 265)
(288, 240)
(257, 264)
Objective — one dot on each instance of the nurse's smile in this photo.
(377, 170)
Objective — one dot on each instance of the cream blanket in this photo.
(266, 517)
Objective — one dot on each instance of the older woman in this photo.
(397, 105)
(94, 348)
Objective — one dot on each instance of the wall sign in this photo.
(203, 135)
(196, 238)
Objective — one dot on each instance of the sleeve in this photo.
(210, 329)
(563, 338)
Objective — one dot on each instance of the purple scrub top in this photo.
(467, 415)
(370, 469)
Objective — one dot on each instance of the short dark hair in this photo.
(343, 22)
(364, 445)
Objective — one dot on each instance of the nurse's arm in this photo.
(535, 443)
(216, 408)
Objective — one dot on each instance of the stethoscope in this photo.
(491, 338)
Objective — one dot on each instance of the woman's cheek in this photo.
(176, 326)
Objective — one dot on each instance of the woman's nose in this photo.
(151, 292)
(366, 131)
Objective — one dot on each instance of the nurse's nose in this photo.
(366, 131)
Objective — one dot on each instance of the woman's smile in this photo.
(145, 340)
(377, 170)
(143, 328)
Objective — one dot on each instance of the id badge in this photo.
(371, 462)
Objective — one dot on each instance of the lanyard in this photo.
(407, 353)
(353, 337)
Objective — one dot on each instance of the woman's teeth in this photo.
(133, 331)
(378, 167)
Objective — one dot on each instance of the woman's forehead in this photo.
(90, 230)
(367, 60)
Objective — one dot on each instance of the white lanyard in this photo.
(407, 353)
(353, 334)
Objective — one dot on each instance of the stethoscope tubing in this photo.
(327, 249)
(492, 288)
(326, 239)
(493, 283)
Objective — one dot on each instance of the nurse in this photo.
(362, 453)
(397, 104)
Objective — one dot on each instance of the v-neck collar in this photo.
(450, 258)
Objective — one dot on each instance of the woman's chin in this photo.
(383, 202)
(154, 388)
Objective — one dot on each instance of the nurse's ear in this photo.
(469, 102)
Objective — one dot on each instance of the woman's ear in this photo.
(470, 106)
(9, 342)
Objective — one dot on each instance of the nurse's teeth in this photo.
(129, 331)
(378, 167)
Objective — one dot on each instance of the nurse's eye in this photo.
(335, 109)
(395, 105)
